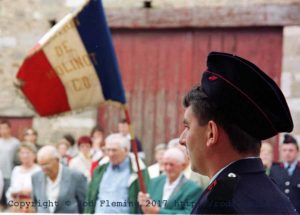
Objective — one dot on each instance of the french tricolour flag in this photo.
(74, 65)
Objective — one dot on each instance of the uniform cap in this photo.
(249, 97)
(289, 139)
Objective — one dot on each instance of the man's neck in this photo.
(6, 137)
(172, 180)
(225, 160)
(291, 162)
(54, 176)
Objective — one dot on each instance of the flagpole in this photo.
(134, 149)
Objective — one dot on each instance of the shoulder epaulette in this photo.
(224, 188)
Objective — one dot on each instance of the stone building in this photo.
(24, 22)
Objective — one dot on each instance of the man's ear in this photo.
(212, 133)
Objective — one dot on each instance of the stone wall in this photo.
(290, 79)
(23, 22)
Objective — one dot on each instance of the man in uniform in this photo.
(226, 117)
(287, 173)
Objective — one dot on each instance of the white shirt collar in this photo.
(294, 163)
(169, 188)
(53, 188)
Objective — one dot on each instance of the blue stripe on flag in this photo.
(96, 38)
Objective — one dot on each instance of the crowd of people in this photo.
(98, 174)
(93, 174)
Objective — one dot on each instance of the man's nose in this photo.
(182, 137)
(110, 153)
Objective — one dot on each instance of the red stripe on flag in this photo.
(42, 86)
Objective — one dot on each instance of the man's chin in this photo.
(197, 170)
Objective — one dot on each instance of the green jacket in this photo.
(133, 188)
(182, 199)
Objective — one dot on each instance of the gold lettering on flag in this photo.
(74, 66)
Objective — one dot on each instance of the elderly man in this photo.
(157, 168)
(201, 180)
(172, 192)
(114, 186)
(57, 189)
(235, 107)
(287, 173)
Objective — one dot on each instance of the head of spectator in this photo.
(159, 151)
(72, 150)
(97, 135)
(85, 145)
(123, 127)
(27, 154)
(175, 143)
(62, 147)
(70, 139)
(117, 148)
(48, 159)
(5, 129)
(174, 163)
(289, 149)
(266, 154)
(30, 136)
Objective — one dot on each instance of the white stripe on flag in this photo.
(69, 58)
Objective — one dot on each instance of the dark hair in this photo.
(5, 121)
(69, 138)
(96, 128)
(123, 121)
(289, 139)
(206, 110)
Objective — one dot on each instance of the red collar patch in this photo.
(212, 78)
(212, 185)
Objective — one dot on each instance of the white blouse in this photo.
(21, 180)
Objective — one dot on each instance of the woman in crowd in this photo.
(72, 150)
(20, 186)
(83, 161)
(31, 136)
(98, 144)
(62, 148)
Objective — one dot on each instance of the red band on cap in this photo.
(212, 78)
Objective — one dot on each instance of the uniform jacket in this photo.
(133, 184)
(181, 200)
(243, 188)
(290, 185)
(73, 187)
